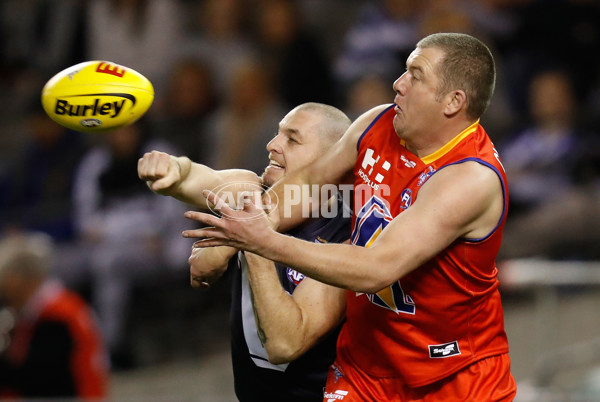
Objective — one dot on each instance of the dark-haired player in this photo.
(424, 320)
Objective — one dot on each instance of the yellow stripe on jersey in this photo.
(375, 235)
(450, 144)
(387, 295)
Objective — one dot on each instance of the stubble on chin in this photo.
(267, 180)
(399, 127)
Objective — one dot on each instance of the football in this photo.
(97, 96)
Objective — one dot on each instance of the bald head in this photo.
(304, 134)
(333, 124)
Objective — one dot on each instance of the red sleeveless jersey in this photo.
(447, 313)
(88, 365)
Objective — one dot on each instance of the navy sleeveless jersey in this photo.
(255, 378)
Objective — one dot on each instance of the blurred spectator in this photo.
(551, 175)
(43, 35)
(447, 16)
(38, 179)
(487, 21)
(56, 348)
(593, 102)
(245, 122)
(292, 55)
(188, 103)
(140, 34)
(366, 93)
(221, 39)
(587, 168)
(20, 91)
(540, 158)
(128, 235)
(379, 41)
(562, 33)
(566, 228)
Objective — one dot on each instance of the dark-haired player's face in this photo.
(417, 101)
(295, 145)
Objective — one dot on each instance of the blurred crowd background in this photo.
(224, 73)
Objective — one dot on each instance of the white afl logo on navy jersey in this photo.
(294, 276)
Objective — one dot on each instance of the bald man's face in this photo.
(296, 144)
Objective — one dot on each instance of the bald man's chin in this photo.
(271, 175)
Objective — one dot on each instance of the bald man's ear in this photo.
(455, 102)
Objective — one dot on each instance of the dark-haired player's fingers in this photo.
(214, 242)
(217, 202)
(207, 219)
(252, 200)
(204, 233)
(198, 282)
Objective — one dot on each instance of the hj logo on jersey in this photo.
(369, 162)
(294, 276)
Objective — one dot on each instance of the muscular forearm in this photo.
(291, 324)
(208, 265)
(278, 318)
(185, 180)
(342, 265)
(360, 269)
(195, 178)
